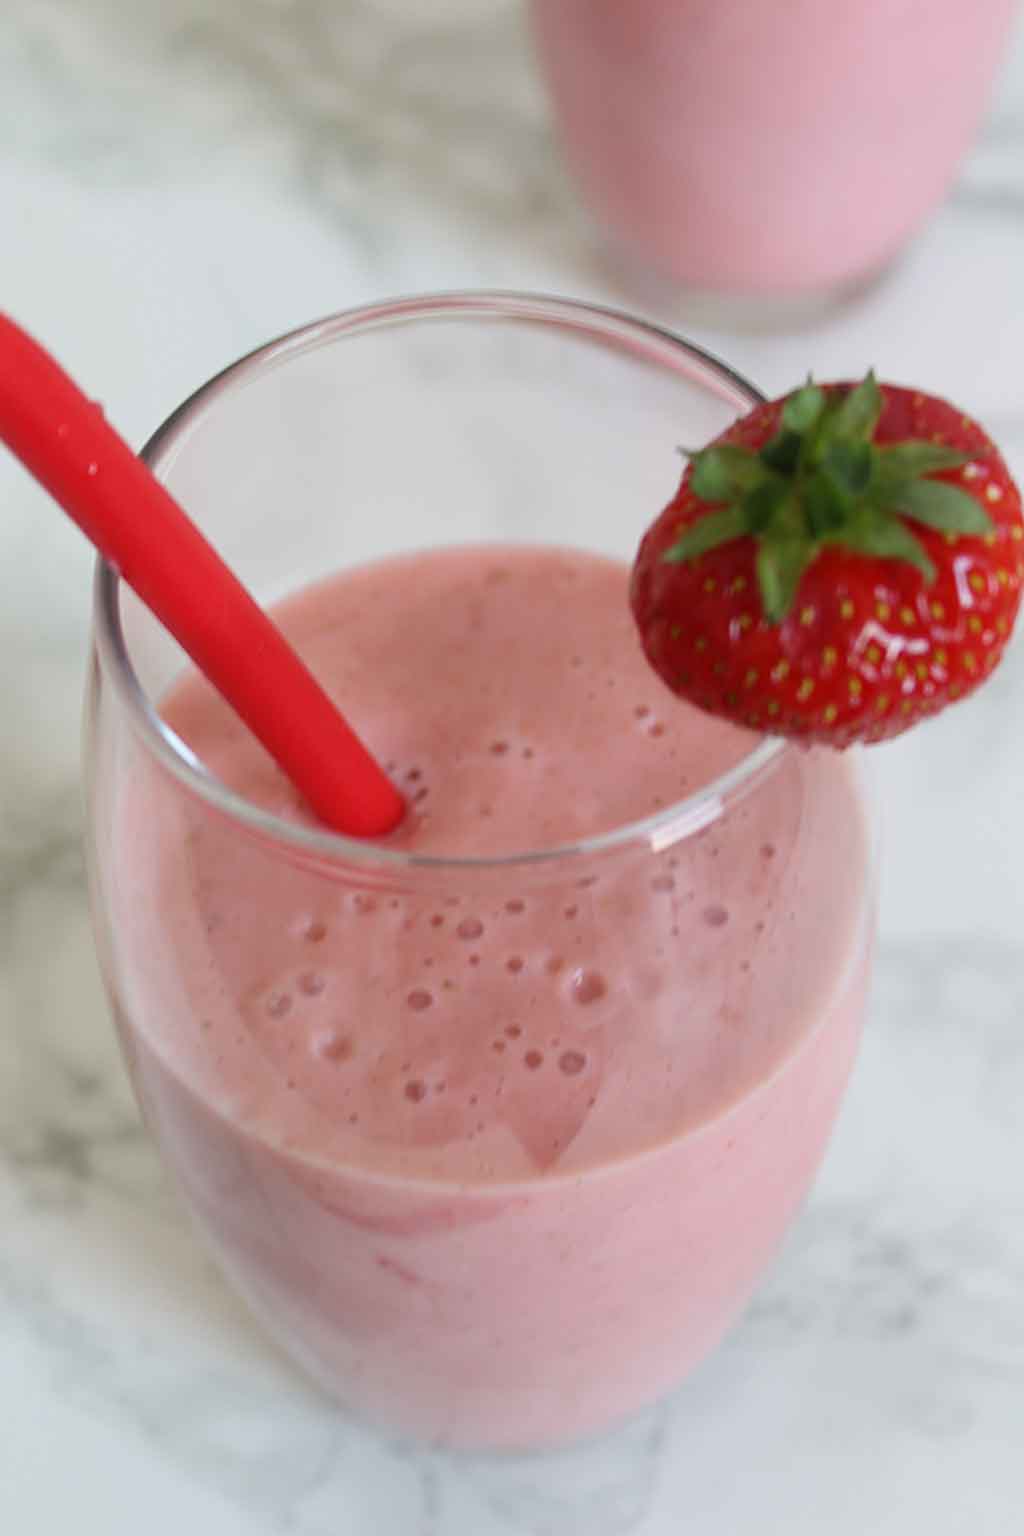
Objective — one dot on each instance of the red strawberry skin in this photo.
(869, 647)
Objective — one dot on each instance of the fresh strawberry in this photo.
(837, 565)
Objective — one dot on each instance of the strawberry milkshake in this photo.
(786, 148)
(497, 1131)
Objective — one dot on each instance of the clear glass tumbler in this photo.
(736, 924)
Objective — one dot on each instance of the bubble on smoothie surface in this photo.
(588, 986)
(334, 1046)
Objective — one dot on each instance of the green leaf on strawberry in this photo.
(845, 489)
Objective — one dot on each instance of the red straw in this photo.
(63, 439)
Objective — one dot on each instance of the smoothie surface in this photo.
(521, 1023)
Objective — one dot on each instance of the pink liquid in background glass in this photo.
(500, 1156)
(783, 147)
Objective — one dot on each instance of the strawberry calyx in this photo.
(822, 480)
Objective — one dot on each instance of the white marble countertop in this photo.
(173, 189)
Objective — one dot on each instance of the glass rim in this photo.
(659, 830)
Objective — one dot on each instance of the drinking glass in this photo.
(259, 969)
(775, 158)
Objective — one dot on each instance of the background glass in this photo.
(784, 153)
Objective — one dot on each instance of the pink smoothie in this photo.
(498, 1152)
(783, 147)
